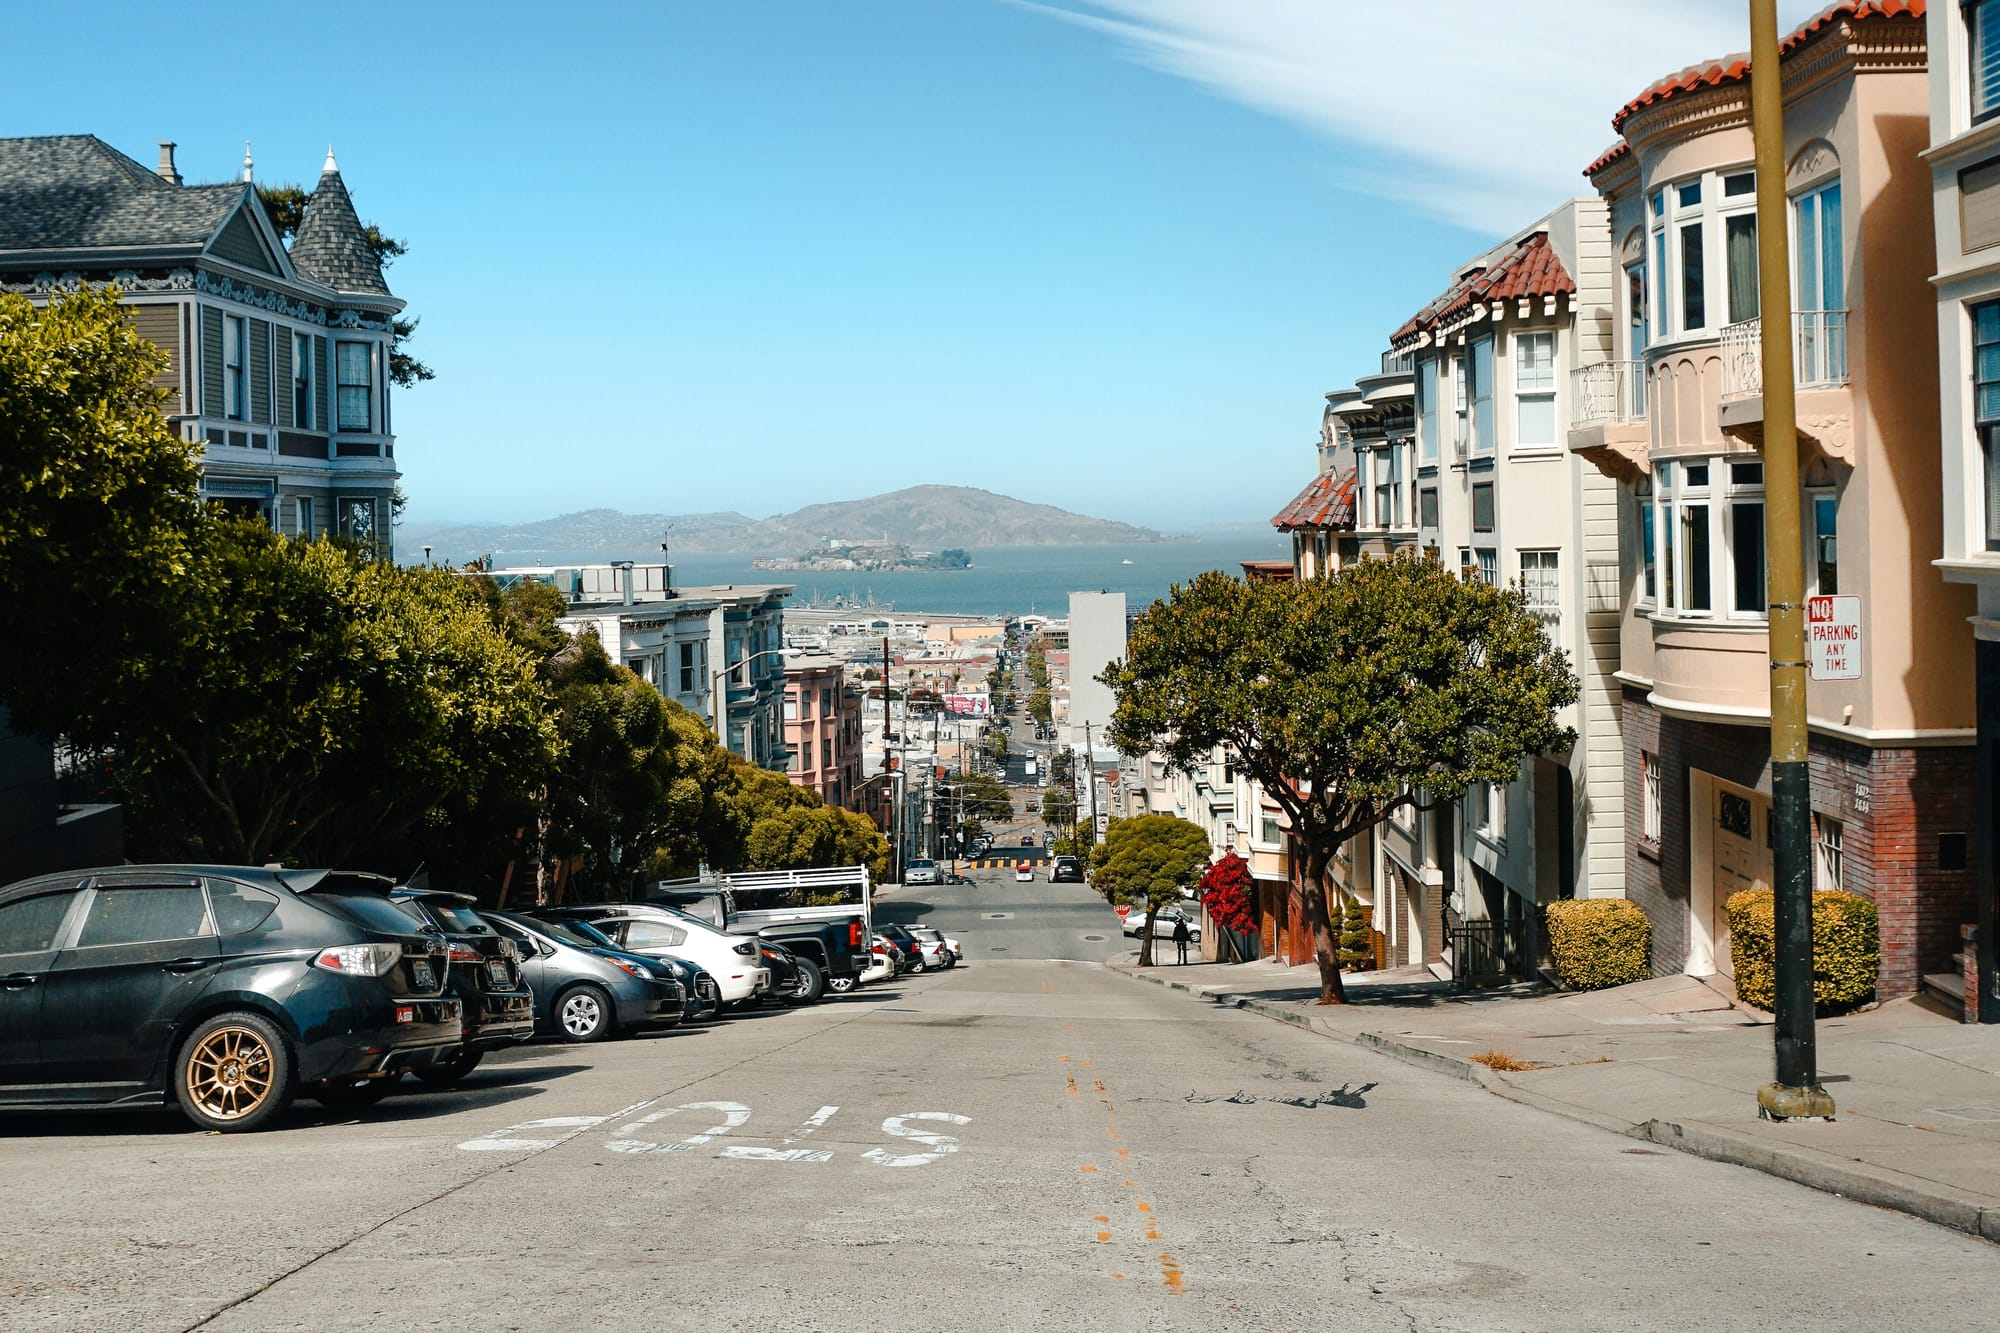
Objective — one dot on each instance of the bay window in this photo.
(1535, 390)
(1986, 407)
(1703, 530)
(1704, 240)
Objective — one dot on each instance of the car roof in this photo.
(271, 877)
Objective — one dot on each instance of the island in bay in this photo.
(868, 557)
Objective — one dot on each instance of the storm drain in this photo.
(998, 948)
(999, 916)
(1093, 938)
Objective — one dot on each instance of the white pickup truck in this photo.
(823, 914)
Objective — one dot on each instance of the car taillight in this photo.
(854, 934)
(746, 948)
(360, 960)
(462, 953)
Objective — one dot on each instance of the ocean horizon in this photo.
(1002, 580)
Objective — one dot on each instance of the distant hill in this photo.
(926, 517)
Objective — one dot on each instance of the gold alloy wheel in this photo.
(229, 1073)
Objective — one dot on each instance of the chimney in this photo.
(624, 568)
(167, 171)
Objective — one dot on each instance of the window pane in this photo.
(353, 408)
(145, 913)
(1826, 543)
(374, 912)
(1428, 499)
(1537, 424)
(1833, 280)
(1982, 21)
(1694, 522)
(238, 907)
(1535, 362)
(1992, 449)
(1747, 546)
(1482, 395)
(28, 925)
(1482, 507)
(1661, 304)
(1690, 194)
(1743, 182)
(1427, 408)
(1667, 555)
(1740, 243)
(1646, 550)
(1808, 260)
(1694, 307)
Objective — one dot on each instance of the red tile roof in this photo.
(1608, 156)
(1271, 571)
(1326, 502)
(1736, 68)
(1530, 269)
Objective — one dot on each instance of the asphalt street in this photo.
(1015, 1143)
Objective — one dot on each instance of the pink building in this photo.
(823, 728)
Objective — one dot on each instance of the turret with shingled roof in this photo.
(331, 245)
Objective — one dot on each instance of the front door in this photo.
(29, 930)
(144, 952)
(1741, 846)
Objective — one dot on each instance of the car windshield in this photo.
(454, 916)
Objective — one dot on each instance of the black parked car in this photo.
(223, 989)
(583, 993)
(485, 974)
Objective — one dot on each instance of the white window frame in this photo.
(235, 359)
(1427, 411)
(1719, 497)
(1487, 560)
(1484, 427)
(302, 516)
(1829, 854)
(1649, 796)
(302, 380)
(1462, 404)
(1541, 582)
(1531, 388)
(343, 384)
(1490, 811)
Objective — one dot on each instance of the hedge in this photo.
(1847, 949)
(1599, 942)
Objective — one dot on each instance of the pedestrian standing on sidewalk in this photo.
(1181, 936)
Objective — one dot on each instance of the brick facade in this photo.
(1899, 809)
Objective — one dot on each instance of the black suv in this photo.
(224, 989)
(485, 974)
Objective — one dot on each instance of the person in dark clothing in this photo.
(1181, 936)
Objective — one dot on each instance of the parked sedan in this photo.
(1163, 923)
(224, 989)
(952, 953)
(659, 931)
(1065, 870)
(584, 994)
(704, 997)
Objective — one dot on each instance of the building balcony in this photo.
(1825, 402)
(1608, 421)
(1712, 668)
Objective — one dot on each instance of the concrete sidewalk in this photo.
(1674, 1062)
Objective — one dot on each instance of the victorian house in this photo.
(1674, 413)
(277, 358)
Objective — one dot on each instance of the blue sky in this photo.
(754, 254)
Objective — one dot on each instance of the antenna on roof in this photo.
(248, 174)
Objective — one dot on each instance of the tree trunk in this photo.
(1326, 945)
(1146, 939)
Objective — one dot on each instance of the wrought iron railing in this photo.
(1819, 353)
(1485, 951)
(1608, 391)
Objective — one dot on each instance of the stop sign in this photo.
(1123, 910)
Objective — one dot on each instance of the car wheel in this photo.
(811, 987)
(233, 1073)
(444, 1073)
(840, 985)
(353, 1094)
(583, 1013)
(916, 966)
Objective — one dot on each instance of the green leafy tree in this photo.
(1393, 683)
(1039, 705)
(996, 746)
(100, 520)
(803, 837)
(1152, 859)
(286, 205)
(1062, 768)
(982, 797)
(1059, 809)
(319, 707)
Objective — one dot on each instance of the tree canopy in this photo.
(1151, 859)
(99, 510)
(1391, 683)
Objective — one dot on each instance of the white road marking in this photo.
(503, 1140)
(734, 1115)
(943, 1143)
(744, 1152)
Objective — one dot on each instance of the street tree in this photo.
(1039, 705)
(99, 512)
(1155, 860)
(319, 706)
(1059, 808)
(805, 836)
(1391, 684)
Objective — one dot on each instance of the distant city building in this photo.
(823, 727)
(277, 360)
(1096, 640)
(715, 651)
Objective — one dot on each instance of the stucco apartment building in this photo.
(277, 359)
(1892, 756)
(823, 727)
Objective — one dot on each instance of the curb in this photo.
(1975, 1215)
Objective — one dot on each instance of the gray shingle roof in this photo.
(76, 192)
(331, 246)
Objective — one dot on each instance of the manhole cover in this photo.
(998, 948)
(1093, 937)
(999, 916)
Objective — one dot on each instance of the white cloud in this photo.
(1486, 113)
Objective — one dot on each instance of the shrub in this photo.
(1357, 937)
(1847, 949)
(1599, 942)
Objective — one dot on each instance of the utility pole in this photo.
(1796, 1094)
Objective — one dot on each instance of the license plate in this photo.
(496, 971)
(420, 976)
